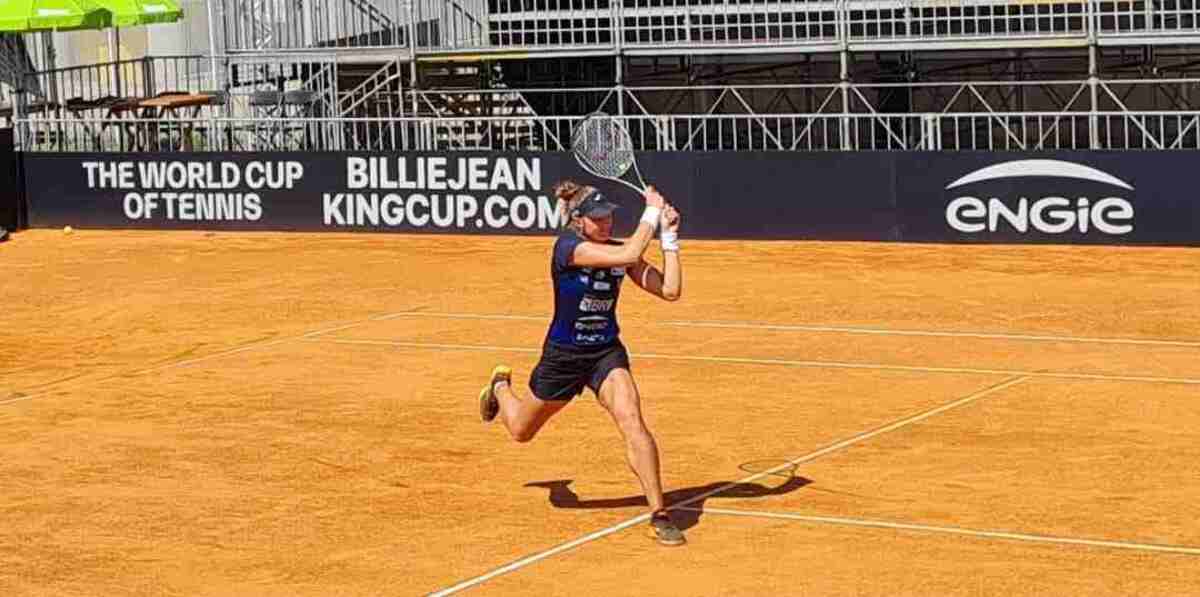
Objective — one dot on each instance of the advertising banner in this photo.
(993, 197)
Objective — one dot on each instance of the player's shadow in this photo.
(562, 496)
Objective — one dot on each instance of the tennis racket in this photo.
(603, 147)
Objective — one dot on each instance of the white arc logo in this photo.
(1049, 214)
(1049, 168)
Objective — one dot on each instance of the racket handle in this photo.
(651, 215)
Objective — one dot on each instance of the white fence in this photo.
(775, 132)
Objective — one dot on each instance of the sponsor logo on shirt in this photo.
(596, 305)
(591, 324)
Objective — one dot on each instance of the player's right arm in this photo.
(589, 254)
(666, 283)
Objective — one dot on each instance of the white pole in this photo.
(52, 63)
(212, 45)
(114, 54)
(213, 141)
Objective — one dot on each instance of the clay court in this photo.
(196, 413)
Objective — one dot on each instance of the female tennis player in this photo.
(582, 347)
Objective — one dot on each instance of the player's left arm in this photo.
(666, 283)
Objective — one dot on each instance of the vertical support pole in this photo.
(1094, 109)
(620, 85)
(844, 87)
(1093, 79)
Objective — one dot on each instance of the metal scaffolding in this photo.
(671, 27)
(712, 74)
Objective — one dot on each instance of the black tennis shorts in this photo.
(564, 371)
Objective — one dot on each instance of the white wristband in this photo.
(650, 216)
(669, 240)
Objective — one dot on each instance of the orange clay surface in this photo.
(285, 414)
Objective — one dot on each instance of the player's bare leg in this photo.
(619, 395)
(523, 418)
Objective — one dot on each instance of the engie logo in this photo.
(1048, 213)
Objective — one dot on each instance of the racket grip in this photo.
(651, 215)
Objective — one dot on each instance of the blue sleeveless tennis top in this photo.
(585, 298)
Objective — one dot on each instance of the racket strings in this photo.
(603, 145)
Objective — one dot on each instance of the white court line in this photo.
(209, 357)
(11, 400)
(466, 584)
(933, 334)
(466, 316)
(523, 562)
(790, 363)
(88, 262)
(1193, 551)
(837, 330)
(250, 347)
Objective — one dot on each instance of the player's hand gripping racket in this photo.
(604, 148)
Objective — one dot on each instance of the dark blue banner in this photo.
(1081, 197)
(1058, 197)
(12, 200)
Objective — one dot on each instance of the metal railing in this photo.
(273, 25)
(98, 90)
(908, 21)
(142, 77)
(777, 132)
(243, 74)
(380, 82)
(655, 23)
(451, 24)
(917, 97)
(1124, 18)
(381, 93)
(249, 75)
(679, 26)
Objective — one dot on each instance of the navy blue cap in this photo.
(595, 206)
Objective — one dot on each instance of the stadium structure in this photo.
(687, 75)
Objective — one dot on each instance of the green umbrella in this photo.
(127, 13)
(24, 16)
(21, 16)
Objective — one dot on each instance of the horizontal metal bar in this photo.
(1027, 131)
(683, 27)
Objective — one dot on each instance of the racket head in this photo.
(603, 147)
